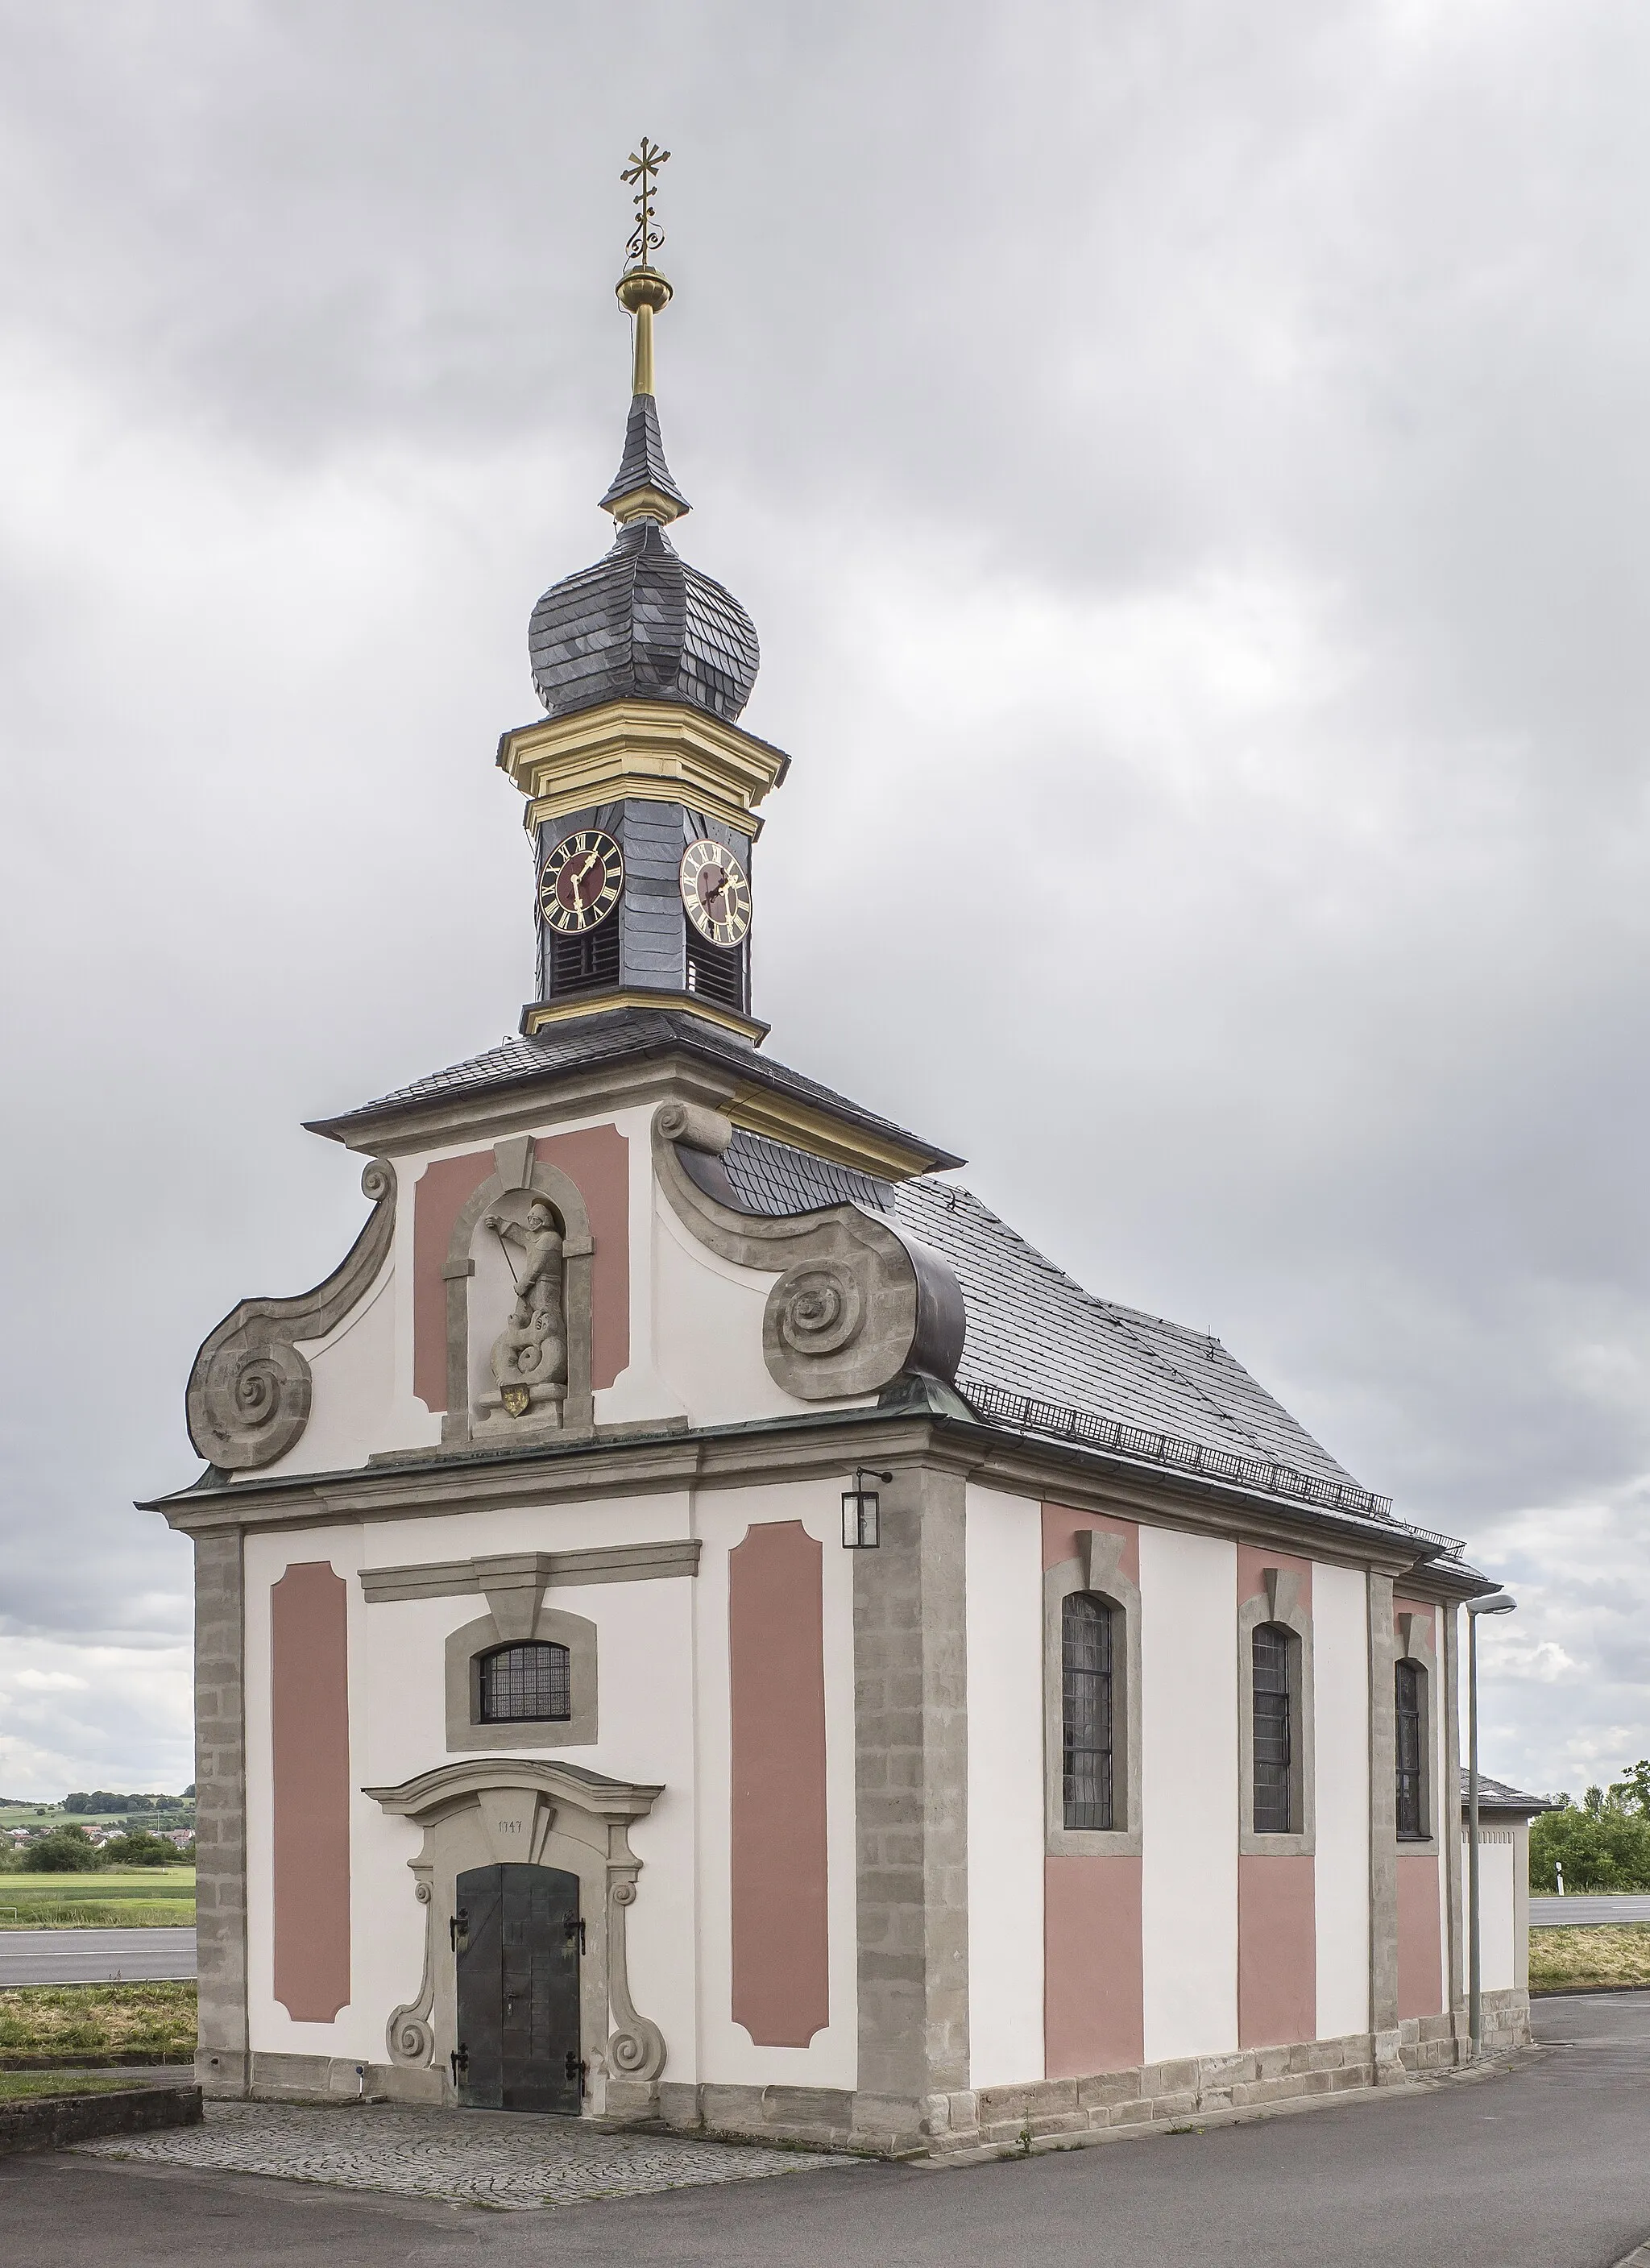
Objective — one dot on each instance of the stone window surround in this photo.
(1097, 1569)
(468, 1732)
(1280, 1602)
(1413, 1645)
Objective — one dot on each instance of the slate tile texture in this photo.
(509, 2162)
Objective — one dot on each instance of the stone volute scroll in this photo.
(249, 1391)
(859, 1301)
(519, 1276)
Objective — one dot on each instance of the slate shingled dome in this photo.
(642, 624)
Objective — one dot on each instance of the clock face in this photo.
(580, 882)
(715, 892)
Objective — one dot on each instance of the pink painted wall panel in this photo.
(1094, 1996)
(309, 1726)
(780, 1859)
(1277, 1950)
(1278, 1936)
(1420, 1936)
(444, 1190)
(597, 1161)
(1093, 1989)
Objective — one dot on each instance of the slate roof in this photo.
(642, 624)
(1496, 1796)
(642, 464)
(1034, 1332)
(623, 1035)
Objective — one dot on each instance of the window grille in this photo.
(1086, 1742)
(1408, 1717)
(1273, 1733)
(525, 1683)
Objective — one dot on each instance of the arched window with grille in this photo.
(526, 1683)
(1410, 1749)
(1086, 1713)
(1272, 1667)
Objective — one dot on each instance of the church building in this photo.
(698, 1620)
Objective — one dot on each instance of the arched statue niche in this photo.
(518, 1304)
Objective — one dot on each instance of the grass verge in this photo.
(1581, 1960)
(17, 2086)
(83, 2023)
(156, 1897)
(128, 1913)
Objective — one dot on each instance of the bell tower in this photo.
(642, 790)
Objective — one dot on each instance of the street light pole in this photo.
(1499, 1604)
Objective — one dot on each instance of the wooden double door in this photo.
(519, 1938)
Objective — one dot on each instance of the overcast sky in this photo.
(1187, 467)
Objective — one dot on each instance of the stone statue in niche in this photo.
(529, 1356)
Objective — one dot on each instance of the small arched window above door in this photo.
(528, 1684)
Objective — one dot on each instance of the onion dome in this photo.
(642, 624)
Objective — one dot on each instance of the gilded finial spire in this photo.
(642, 290)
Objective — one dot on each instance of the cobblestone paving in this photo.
(481, 2157)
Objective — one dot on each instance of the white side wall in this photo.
(1497, 1905)
(727, 2055)
(1189, 1793)
(1340, 1635)
(1005, 1825)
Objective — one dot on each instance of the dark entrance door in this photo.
(518, 1939)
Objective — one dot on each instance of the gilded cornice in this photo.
(654, 751)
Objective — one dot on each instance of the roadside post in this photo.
(1500, 1604)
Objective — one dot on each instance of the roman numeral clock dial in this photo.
(715, 892)
(580, 882)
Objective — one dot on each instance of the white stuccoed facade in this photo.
(554, 1751)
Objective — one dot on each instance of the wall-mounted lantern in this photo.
(862, 1513)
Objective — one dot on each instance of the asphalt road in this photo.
(1544, 2166)
(1557, 1913)
(94, 1956)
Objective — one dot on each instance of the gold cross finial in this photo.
(642, 174)
(642, 290)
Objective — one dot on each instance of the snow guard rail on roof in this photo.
(1025, 1414)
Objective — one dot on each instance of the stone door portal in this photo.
(517, 1937)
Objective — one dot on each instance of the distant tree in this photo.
(138, 1848)
(1600, 1845)
(1631, 1791)
(65, 1851)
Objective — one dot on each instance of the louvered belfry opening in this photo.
(1085, 1734)
(586, 963)
(1407, 1728)
(716, 973)
(1273, 1753)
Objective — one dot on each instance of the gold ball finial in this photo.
(642, 287)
